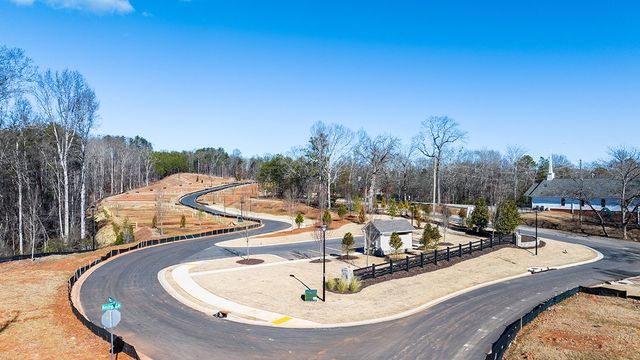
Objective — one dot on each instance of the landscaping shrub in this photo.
(355, 285)
(462, 213)
(154, 222)
(183, 222)
(331, 284)
(342, 286)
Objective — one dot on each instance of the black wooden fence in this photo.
(435, 257)
(502, 344)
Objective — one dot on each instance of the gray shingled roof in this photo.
(570, 188)
(390, 226)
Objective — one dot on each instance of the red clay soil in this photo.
(582, 327)
(36, 321)
(335, 224)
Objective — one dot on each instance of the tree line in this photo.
(54, 169)
(434, 167)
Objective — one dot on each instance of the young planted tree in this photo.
(347, 243)
(446, 219)
(393, 209)
(395, 242)
(357, 204)
(342, 211)
(430, 237)
(507, 217)
(417, 215)
(201, 216)
(362, 216)
(183, 222)
(480, 215)
(299, 220)
(326, 218)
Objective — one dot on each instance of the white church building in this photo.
(564, 194)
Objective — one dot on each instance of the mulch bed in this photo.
(319, 261)
(250, 261)
(445, 244)
(399, 274)
(345, 257)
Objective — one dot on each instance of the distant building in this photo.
(564, 194)
(378, 233)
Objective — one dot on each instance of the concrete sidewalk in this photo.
(235, 311)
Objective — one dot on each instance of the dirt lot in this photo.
(280, 293)
(140, 205)
(36, 321)
(583, 327)
(560, 220)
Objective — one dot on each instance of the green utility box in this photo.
(311, 295)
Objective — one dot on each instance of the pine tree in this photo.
(430, 236)
(342, 211)
(357, 204)
(326, 218)
(507, 217)
(417, 215)
(480, 216)
(393, 209)
(347, 243)
(299, 219)
(395, 242)
(362, 217)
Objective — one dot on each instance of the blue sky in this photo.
(256, 75)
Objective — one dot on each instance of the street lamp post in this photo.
(536, 211)
(93, 220)
(324, 257)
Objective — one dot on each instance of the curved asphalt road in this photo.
(460, 328)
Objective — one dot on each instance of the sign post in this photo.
(110, 318)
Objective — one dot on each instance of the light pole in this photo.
(93, 221)
(536, 211)
(324, 257)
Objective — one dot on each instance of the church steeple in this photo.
(550, 174)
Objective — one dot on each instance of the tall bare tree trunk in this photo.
(20, 221)
(83, 195)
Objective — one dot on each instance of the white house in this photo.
(377, 234)
(565, 194)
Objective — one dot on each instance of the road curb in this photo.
(599, 256)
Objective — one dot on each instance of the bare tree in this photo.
(437, 133)
(513, 156)
(65, 101)
(375, 154)
(625, 168)
(328, 146)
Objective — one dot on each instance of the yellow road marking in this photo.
(281, 320)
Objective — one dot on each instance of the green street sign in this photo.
(111, 306)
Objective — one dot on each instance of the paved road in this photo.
(461, 328)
